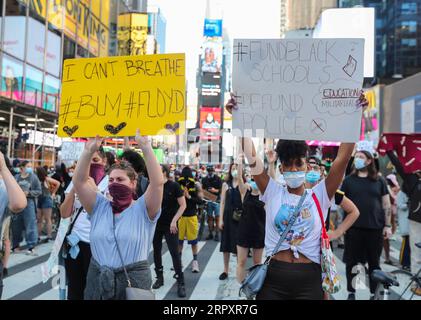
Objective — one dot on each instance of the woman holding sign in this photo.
(294, 217)
(122, 229)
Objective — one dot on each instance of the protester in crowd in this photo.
(138, 164)
(213, 184)
(251, 229)
(403, 221)
(78, 252)
(26, 220)
(232, 195)
(188, 224)
(412, 188)
(294, 272)
(63, 177)
(173, 206)
(364, 241)
(393, 188)
(49, 187)
(11, 198)
(122, 229)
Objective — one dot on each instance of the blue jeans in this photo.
(25, 220)
(213, 209)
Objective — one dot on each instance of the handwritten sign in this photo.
(71, 151)
(114, 96)
(298, 89)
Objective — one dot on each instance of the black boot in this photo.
(159, 279)
(181, 290)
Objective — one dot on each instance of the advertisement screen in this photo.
(132, 34)
(411, 115)
(210, 123)
(211, 89)
(213, 28)
(212, 55)
(12, 76)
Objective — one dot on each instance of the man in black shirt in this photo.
(213, 184)
(173, 206)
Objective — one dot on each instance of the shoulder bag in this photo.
(132, 293)
(330, 277)
(255, 278)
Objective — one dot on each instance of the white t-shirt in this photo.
(82, 227)
(304, 236)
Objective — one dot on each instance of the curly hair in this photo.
(289, 150)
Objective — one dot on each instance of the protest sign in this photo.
(71, 151)
(298, 89)
(114, 96)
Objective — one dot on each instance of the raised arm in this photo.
(17, 198)
(272, 157)
(247, 147)
(155, 190)
(338, 168)
(87, 195)
(397, 164)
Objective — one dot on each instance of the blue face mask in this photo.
(359, 163)
(293, 179)
(194, 174)
(29, 170)
(312, 176)
(253, 185)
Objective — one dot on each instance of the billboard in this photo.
(350, 23)
(213, 28)
(210, 123)
(370, 125)
(211, 89)
(411, 115)
(132, 34)
(212, 54)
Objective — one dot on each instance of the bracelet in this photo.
(388, 226)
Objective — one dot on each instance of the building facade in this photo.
(303, 14)
(398, 37)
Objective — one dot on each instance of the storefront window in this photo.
(33, 86)
(14, 29)
(36, 43)
(51, 93)
(82, 52)
(53, 63)
(11, 80)
(69, 48)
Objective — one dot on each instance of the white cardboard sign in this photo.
(71, 151)
(298, 89)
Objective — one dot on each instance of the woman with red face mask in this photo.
(78, 250)
(122, 229)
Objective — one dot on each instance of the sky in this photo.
(241, 19)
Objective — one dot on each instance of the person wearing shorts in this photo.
(213, 184)
(188, 225)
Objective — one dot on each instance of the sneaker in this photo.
(223, 276)
(406, 268)
(372, 297)
(31, 252)
(351, 296)
(195, 267)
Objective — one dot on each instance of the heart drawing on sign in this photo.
(70, 131)
(172, 128)
(114, 130)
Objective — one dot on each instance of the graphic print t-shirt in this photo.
(304, 236)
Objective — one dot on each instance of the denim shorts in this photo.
(45, 202)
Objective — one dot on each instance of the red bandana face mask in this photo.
(97, 172)
(122, 197)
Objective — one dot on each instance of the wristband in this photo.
(388, 226)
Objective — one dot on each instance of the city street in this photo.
(24, 280)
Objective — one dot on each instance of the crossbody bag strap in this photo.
(319, 209)
(289, 226)
(129, 284)
(74, 220)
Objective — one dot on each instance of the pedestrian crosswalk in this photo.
(24, 277)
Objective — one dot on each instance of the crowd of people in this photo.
(122, 207)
